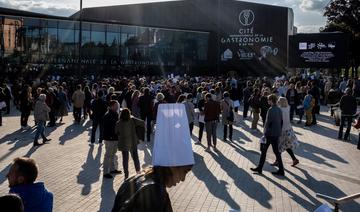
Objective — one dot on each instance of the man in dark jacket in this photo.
(291, 96)
(146, 107)
(98, 110)
(211, 111)
(348, 107)
(272, 132)
(35, 196)
(110, 138)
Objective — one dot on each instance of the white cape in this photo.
(172, 143)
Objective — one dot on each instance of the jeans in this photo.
(77, 113)
(230, 131)
(148, 118)
(274, 143)
(95, 124)
(135, 157)
(246, 109)
(110, 159)
(201, 130)
(211, 132)
(348, 120)
(40, 129)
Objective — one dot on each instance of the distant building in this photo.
(189, 36)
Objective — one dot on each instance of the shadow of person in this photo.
(72, 131)
(325, 187)
(214, 186)
(243, 180)
(107, 195)
(4, 172)
(19, 138)
(308, 205)
(90, 172)
(312, 152)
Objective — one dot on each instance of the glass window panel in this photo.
(66, 24)
(31, 22)
(98, 38)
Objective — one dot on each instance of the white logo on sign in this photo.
(246, 17)
(228, 54)
(303, 46)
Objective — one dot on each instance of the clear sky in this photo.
(308, 13)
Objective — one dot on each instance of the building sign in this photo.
(256, 36)
(318, 50)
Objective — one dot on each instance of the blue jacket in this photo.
(35, 197)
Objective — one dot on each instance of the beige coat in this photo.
(78, 98)
(41, 111)
(225, 109)
(127, 133)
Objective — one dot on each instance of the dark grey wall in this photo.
(221, 19)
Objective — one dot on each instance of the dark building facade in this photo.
(189, 36)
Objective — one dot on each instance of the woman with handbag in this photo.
(227, 114)
(128, 135)
(287, 140)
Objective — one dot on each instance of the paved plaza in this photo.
(218, 182)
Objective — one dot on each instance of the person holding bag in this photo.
(128, 130)
(227, 113)
(287, 140)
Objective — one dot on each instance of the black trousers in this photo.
(77, 113)
(291, 153)
(274, 143)
(292, 111)
(246, 109)
(0, 118)
(191, 127)
(95, 124)
(201, 130)
(24, 117)
(52, 118)
(348, 120)
(135, 157)
(148, 118)
(230, 131)
(7, 106)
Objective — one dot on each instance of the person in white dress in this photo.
(287, 140)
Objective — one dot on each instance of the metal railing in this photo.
(338, 201)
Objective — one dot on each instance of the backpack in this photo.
(126, 196)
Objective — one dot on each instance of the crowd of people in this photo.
(124, 111)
